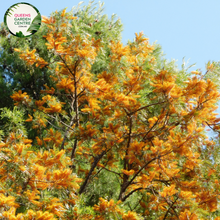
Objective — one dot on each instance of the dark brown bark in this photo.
(94, 164)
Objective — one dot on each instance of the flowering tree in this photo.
(119, 137)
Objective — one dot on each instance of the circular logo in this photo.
(22, 19)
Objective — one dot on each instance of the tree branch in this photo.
(94, 164)
(131, 113)
(171, 207)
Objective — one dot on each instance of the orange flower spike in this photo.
(168, 191)
(139, 38)
(2, 145)
(7, 200)
(54, 108)
(29, 119)
(210, 67)
(62, 39)
(130, 216)
(39, 141)
(49, 46)
(27, 141)
(128, 173)
(59, 155)
(45, 19)
(41, 63)
(19, 96)
(71, 17)
(19, 148)
(63, 25)
(16, 49)
(63, 13)
(187, 215)
(39, 103)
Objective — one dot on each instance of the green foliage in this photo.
(105, 185)
(1, 135)
(214, 73)
(13, 121)
(14, 74)
(83, 206)
(92, 22)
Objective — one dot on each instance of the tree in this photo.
(13, 71)
(15, 75)
(119, 137)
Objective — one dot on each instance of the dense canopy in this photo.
(104, 130)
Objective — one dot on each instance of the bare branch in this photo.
(158, 103)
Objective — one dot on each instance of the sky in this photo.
(186, 28)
